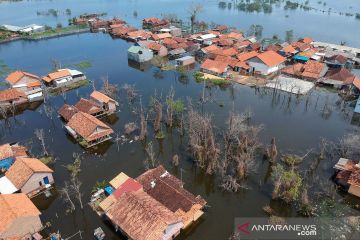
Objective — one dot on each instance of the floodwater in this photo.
(297, 123)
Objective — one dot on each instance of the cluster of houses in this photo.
(82, 121)
(27, 87)
(24, 178)
(153, 206)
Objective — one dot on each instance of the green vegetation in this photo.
(83, 143)
(199, 77)
(47, 160)
(292, 159)
(287, 183)
(57, 31)
(178, 105)
(99, 185)
(83, 65)
(160, 135)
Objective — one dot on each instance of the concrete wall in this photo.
(172, 230)
(33, 183)
(144, 56)
(22, 226)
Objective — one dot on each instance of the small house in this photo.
(138, 216)
(348, 175)
(63, 77)
(170, 192)
(12, 97)
(185, 61)
(89, 107)
(19, 216)
(30, 175)
(216, 68)
(174, 31)
(336, 61)
(158, 49)
(8, 153)
(155, 23)
(28, 83)
(105, 102)
(139, 54)
(266, 63)
(354, 181)
(206, 39)
(338, 77)
(88, 129)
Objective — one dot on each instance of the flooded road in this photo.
(297, 123)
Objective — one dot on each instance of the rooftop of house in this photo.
(295, 69)
(214, 66)
(87, 106)
(14, 206)
(154, 46)
(6, 151)
(247, 55)
(101, 97)
(354, 178)
(128, 185)
(11, 94)
(23, 168)
(56, 75)
(67, 111)
(168, 190)
(313, 69)
(88, 127)
(140, 216)
(338, 58)
(271, 58)
(16, 76)
(341, 74)
(210, 48)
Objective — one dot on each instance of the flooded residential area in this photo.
(187, 119)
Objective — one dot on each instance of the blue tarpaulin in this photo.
(109, 190)
(301, 58)
(6, 163)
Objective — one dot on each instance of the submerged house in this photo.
(139, 54)
(19, 217)
(28, 83)
(89, 107)
(108, 104)
(88, 129)
(12, 97)
(338, 77)
(170, 192)
(29, 176)
(8, 153)
(266, 63)
(63, 77)
(66, 112)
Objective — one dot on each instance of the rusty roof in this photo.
(11, 94)
(341, 74)
(87, 106)
(140, 216)
(295, 70)
(89, 127)
(168, 190)
(14, 206)
(354, 178)
(67, 111)
(313, 69)
(23, 168)
(6, 151)
(16, 76)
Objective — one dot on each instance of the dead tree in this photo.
(151, 161)
(143, 126)
(66, 193)
(175, 160)
(109, 89)
(157, 109)
(41, 136)
(202, 143)
(193, 10)
(170, 107)
(75, 186)
(240, 145)
(271, 152)
(130, 92)
(130, 128)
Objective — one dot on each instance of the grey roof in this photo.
(184, 58)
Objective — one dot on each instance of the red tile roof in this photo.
(271, 58)
(341, 74)
(214, 66)
(247, 55)
(56, 75)
(11, 94)
(101, 97)
(16, 76)
(130, 185)
(313, 69)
